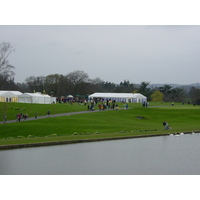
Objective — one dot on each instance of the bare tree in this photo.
(78, 82)
(52, 84)
(6, 70)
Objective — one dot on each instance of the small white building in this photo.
(120, 97)
(35, 98)
(9, 96)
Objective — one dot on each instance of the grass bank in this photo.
(102, 124)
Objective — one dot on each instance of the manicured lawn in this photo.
(100, 124)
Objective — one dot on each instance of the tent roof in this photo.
(117, 95)
(33, 95)
(97, 94)
(10, 93)
(138, 95)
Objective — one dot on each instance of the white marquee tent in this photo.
(139, 98)
(120, 97)
(9, 96)
(35, 98)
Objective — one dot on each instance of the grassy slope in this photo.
(12, 109)
(101, 124)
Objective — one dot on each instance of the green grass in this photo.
(99, 124)
(12, 109)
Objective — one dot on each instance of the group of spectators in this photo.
(25, 116)
(105, 106)
(21, 116)
(71, 100)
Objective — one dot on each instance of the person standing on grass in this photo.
(25, 117)
(117, 108)
(124, 106)
(4, 119)
(36, 115)
(19, 117)
(48, 113)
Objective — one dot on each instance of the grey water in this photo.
(163, 155)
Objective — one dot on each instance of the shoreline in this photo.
(43, 144)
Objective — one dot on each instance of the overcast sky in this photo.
(157, 54)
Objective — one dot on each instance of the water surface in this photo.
(161, 155)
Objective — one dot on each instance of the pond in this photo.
(163, 155)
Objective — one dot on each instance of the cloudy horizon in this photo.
(114, 53)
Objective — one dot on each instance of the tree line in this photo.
(79, 83)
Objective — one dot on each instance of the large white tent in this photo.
(9, 96)
(35, 98)
(120, 97)
(139, 98)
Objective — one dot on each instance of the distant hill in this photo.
(185, 87)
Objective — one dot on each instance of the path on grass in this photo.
(53, 115)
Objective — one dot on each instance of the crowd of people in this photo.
(104, 105)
